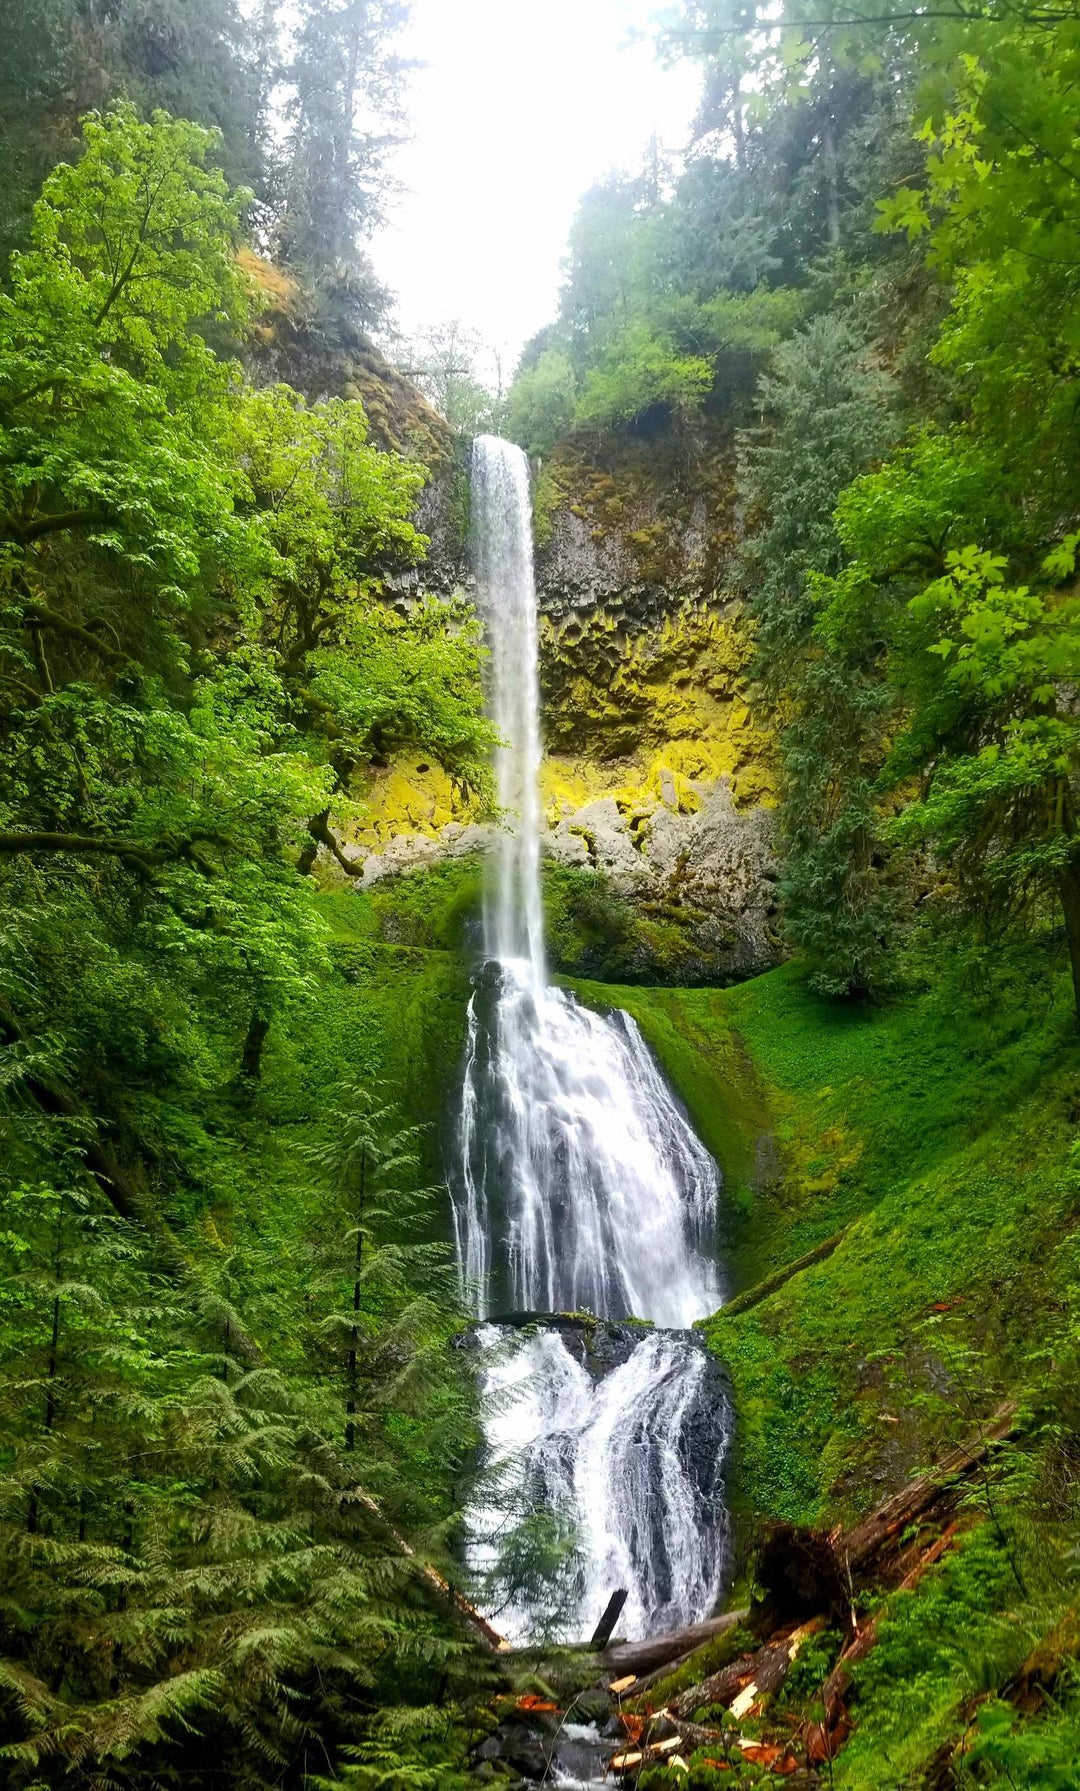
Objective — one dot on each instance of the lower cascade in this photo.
(580, 1190)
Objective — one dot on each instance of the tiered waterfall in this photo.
(580, 1188)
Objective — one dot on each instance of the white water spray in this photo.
(581, 1187)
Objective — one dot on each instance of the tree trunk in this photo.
(656, 1651)
(50, 1372)
(322, 835)
(1069, 886)
(754, 1677)
(605, 1629)
(928, 1492)
(251, 1058)
(829, 156)
(316, 827)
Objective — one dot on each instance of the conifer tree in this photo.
(346, 85)
(828, 420)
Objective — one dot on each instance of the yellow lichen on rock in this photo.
(412, 795)
(675, 693)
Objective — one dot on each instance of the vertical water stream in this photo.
(580, 1187)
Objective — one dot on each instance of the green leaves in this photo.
(637, 371)
(904, 211)
(137, 240)
(195, 650)
(816, 648)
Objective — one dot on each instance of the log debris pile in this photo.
(813, 1582)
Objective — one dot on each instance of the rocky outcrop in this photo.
(686, 856)
(637, 524)
(324, 358)
(418, 851)
(711, 869)
(643, 657)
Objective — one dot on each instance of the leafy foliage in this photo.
(816, 665)
(209, 1461)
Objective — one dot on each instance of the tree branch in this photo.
(41, 617)
(144, 858)
(704, 40)
(60, 523)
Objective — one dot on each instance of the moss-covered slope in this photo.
(941, 1145)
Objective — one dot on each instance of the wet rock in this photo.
(523, 1742)
(420, 851)
(715, 865)
(608, 843)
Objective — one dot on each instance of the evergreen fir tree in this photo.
(346, 84)
(828, 420)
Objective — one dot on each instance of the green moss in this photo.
(547, 497)
(432, 909)
(592, 932)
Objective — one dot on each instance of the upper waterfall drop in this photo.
(502, 551)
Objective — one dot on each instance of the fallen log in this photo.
(858, 1546)
(800, 1574)
(646, 1681)
(804, 1570)
(761, 1290)
(753, 1677)
(691, 1736)
(1032, 1688)
(697, 1735)
(655, 1651)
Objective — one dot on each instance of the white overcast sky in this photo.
(519, 106)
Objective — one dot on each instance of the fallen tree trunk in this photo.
(656, 1651)
(646, 1681)
(804, 1571)
(857, 1547)
(753, 1677)
(1030, 1689)
(761, 1290)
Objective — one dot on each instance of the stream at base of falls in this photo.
(580, 1189)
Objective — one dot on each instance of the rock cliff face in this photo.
(658, 776)
(339, 361)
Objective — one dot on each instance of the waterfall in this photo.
(580, 1187)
